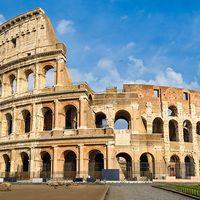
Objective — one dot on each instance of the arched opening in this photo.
(13, 84)
(173, 130)
(25, 165)
(147, 166)
(100, 120)
(125, 163)
(189, 166)
(172, 111)
(198, 128)
(9, 123)
(69, 165)
(49, 76)
(7, 165)
(122, 120)
(174, 166)
(30, 80)
(47, 113)
(96, 163)
(187, 131)
(27, 121)
(70, 117)
(157, 125)
(46, 165)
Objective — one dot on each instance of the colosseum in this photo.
(52, 128)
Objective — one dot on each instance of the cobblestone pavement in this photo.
(141, 192)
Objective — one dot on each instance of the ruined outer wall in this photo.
(28, 44)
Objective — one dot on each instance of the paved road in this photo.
(141, 192)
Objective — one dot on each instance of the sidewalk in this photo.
(41, 192)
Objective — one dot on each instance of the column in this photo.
(18, 82)
(55, 170)
(81, 170)
(109, 156)
(36, 78)
(32, 163)
(34, 119)
(14, 120)
(149, 117)
(56, 115)
(135, 119)
(83, 102)
(13, 167)
(180, 131)
(62, 77)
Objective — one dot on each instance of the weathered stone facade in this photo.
(68, 130)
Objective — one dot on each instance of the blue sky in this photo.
(111, 42)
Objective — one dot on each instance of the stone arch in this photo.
(100, 120)
(173, 130)
(30, 82)
(96, 163)
(13, 84)
(198, 128)
(174, 167)
(9, 123)
(122, 120)
(172, 111)
(49, 76)
(147, 165)
(187, 131)
(70, 164)
(125, 163)
(48, 118)
(26, 121)
(158, 125)
(189, 166)
(6, 163)
(71, 118)
(46, 165)
(25, 165)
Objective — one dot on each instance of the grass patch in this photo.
(187, 189)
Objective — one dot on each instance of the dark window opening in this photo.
(14, 42)
(70, 117)
(100, 120)
(156, 93)
(185, 96)
(172, 111)
(48, 120)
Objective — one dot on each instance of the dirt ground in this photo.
(44, 192)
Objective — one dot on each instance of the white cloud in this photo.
(170, 78)
(65, 27)
(79, 76)
(86, 48)
(2, 19)
(124, 17)
(136, 67)
(130, 45)
(110, 74)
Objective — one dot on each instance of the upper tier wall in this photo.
(22, 35)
